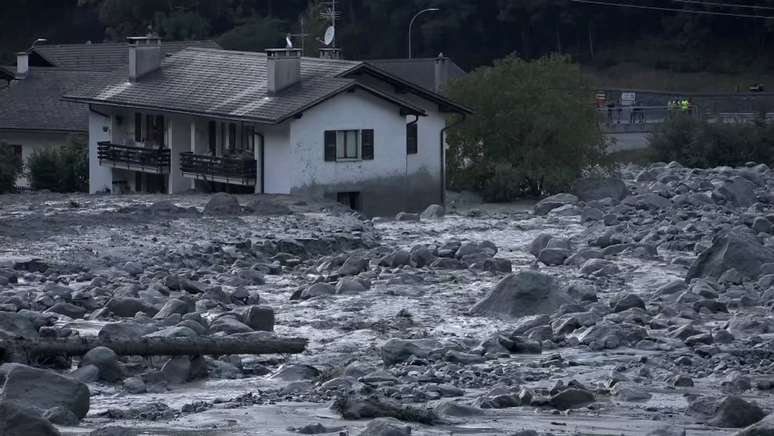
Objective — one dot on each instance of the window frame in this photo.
(335, 144)
(345, 134)
(412, 138)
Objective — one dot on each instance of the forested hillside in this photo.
(473, 32)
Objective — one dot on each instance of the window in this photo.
(349, 145)
(154, 129)
(412, 140)
(212, 133)
(138, 127)
(248, 139)
(232, 145)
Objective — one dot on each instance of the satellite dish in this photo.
(288, 42)
(330, 33)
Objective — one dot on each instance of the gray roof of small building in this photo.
(419, 71)
(34, 103)
(226, 84)
(105, 56)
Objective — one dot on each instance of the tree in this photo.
(10, 167)
(258, 34)
(63, 169)
(533, 120)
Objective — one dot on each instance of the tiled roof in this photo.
(35, 102)
(417, 71)
(226, 84)
(107, 56)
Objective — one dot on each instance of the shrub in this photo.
(64, 169)
(535, 117)
(701, 144)
(10, 168)
(503, 186)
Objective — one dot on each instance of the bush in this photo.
(536, 118)
(700, 144)
(10, 168)
(65, 169)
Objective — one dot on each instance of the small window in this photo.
(138, 127)
(212, 131)
(348, 145)
(412, 139)
(232, 145)
(248, 139)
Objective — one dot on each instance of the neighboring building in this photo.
(32, 114)
(266, 123)
(429, 73)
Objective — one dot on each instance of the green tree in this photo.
(10, 167)
(63, 169)
(256, 35)
(533, 120)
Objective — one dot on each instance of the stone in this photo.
(386, 427)
(16, 420)
(398, 350)
(67, 309)
(106, 361)
(553, 256)
(41, 390)
(296, 373)
(737, 191)
(590, 189)
(260, 318)
(177, 370)
(571, 399)
(734, 412)
(599, 267)
(539, 243)
(736, 248)
(648, 201)
(521, 294)
(354, 265)
(349, 286)
(61, 416)
(262, 206)
(173, 306)
(457, 410)
(135, 385)
(555, 201)
(14, 324)
(133, 268)
(630, 393)
(764, 427)
(228, 325)
(761, 225)
(318, 290)
(222, 204)
(127, 307)
(433, 212)
(628, 301)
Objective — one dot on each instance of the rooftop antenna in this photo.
(303, 33)
(330, 13)
(288, 42)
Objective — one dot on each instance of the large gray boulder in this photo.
(397, 350)
(386, 427)
(735, 248)
(737, 191)
(433, 212)
(734, 412)
(41, 390)
(223, 204)
(20, 421)
(597, 188)
(522, 294)
(765, 427)
(555, 201)
(14, 324)
(106, 361)
(648, 201)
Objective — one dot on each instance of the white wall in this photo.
(32, 142)
(350, 111)
(100, 127)
(277, 159)
(179, 141)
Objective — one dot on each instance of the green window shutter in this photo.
(330, 146)
(367, 144)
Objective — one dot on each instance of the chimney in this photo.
(283, 68)
(22, 65)
(441, 72)
(330, 53)
(144, 56)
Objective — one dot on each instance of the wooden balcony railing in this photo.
(236, 171)
(134, 158)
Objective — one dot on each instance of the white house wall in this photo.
(100, 178)
(277, 159)
(32, 142)
(387, 183)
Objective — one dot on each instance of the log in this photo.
(28, 349)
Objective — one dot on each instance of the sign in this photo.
(628, 98)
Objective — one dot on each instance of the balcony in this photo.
(235, 171)
(147, 160)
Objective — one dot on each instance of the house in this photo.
(274, 122)
(32, 114)
(429, 73)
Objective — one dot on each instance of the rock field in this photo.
(635, 306)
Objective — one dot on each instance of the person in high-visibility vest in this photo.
(685, 105)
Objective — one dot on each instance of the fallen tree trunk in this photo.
(28, 349)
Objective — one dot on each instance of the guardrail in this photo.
(137, 158)
(219, 169)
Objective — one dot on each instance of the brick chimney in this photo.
(441, 72)
(144, 56)
(22, 65)
(283, 68)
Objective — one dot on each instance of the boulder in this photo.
(539, 243)
(765, 427)
(177, 370)
(354, 265)
(407, 216)
(348, 285)
(734, 412)
(260, 318)
(590, 189)
(628, 301)
(433, 212)
(106, 362)
(555, 201)
(735, 248)
(737, 191)
(67, 309)
(292, 373)
(16, 420)
(571, 399)
(266, 207)
(173, 306)
(386, 427)
(223, 204)
(128, 307)
(317, 290)
(648, 201)
(14, 324)
(41, 390)
(521, 294)
(553, 256)
(398, 350)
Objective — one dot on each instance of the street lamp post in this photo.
(412, 24)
